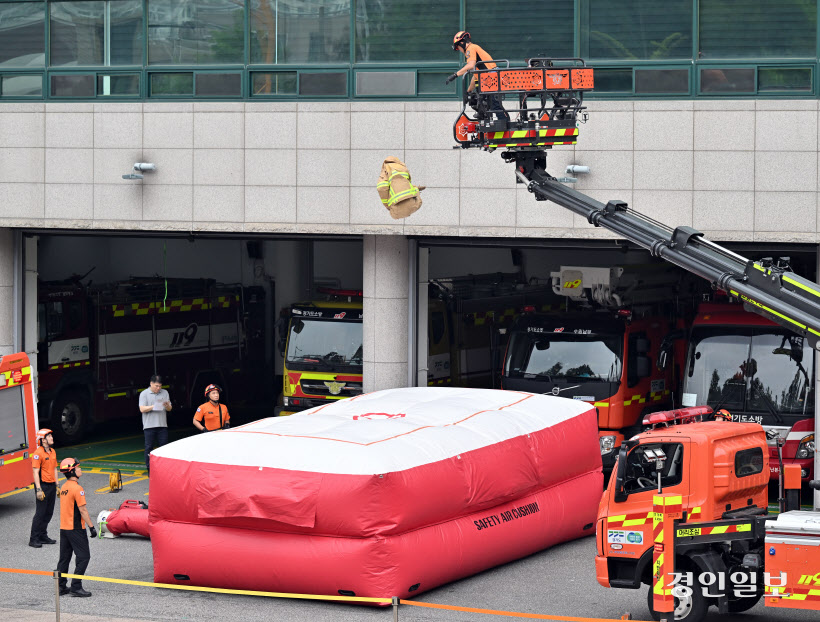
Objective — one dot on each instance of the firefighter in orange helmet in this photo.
(73, 520)
(212, 415)
(476, 58)
(44, 465)
(723, 415)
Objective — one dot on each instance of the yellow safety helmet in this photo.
(462, 38)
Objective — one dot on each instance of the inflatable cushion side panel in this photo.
(377, 566)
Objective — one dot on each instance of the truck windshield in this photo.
(324, 344)
(565, 356)
(763, 372)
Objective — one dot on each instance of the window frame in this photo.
(454, 92)
(752, 452)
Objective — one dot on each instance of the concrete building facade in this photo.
(738, 170)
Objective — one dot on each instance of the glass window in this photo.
(780, 371)
(12, 420)
(273, 83)
(76, 85)
(22, 34)
(55, 325)
(27, 85)
(432, 83)
(716, 369)
(757, 28)
(534, 28)
(407, 31)
(573, 357)
(661, 80)
(218, 85)
(718, 80)
(637, 29)
(82, 35)
(172, 84)
(784, 79)
(323, 84)
(641, 473)
(196, 32)
(293, 31)
(749, 462)
(324, 345)
(613, 80)
(395, 83)
(118, 84)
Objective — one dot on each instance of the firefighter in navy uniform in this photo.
(73, 519)
(44, 465)
(212, 415)
(476, 58)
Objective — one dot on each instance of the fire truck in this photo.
(727, 550)
(767, 287)
(758, 371)
(468, 318)
(99, 344)
(321, 342)
(18, 422)
(603, 350)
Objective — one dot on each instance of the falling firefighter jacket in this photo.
(398, 194)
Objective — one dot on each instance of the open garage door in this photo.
(111, 310)
(472, 296)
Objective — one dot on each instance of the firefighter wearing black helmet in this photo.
(212, 415)
(73, 520)
(44, 465)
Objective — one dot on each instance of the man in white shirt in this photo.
(154, 404)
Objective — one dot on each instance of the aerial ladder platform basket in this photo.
(556, 86)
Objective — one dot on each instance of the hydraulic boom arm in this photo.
(767, 288)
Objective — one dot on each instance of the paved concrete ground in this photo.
(559, 581)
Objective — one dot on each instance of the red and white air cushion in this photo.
(387, 494)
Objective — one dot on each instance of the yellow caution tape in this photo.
(193, 588)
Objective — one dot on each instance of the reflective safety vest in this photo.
(396, 190)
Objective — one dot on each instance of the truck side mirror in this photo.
(667, 347)
(620, 475)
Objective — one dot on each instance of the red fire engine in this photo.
(18, 422)
(99, 345)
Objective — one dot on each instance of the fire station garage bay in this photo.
(181, 193)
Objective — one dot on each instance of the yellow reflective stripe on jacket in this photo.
(396, 197)
(401, 196)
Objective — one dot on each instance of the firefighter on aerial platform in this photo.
(212, 415)
(476, 58)
(44, 464)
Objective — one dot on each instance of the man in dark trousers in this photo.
(154, 404)
(44, 465)
(475, 57)
(73, 519)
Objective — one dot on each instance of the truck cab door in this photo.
(628, 528)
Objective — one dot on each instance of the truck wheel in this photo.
(69, 418)
(691, 608)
